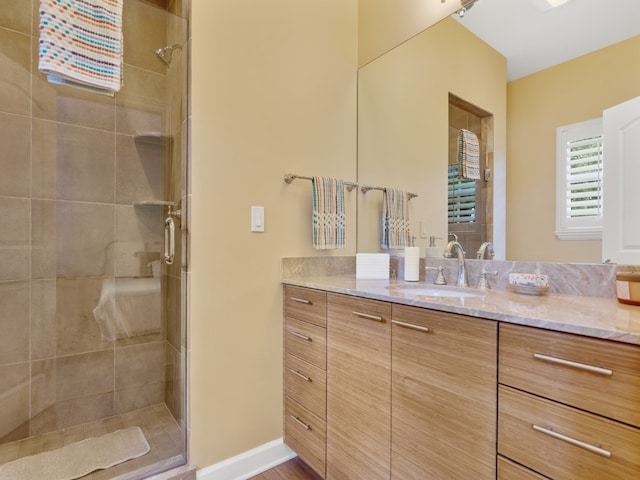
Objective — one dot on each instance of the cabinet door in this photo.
(443, 395)
(358, 388)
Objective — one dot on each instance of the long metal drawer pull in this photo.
(572, 441)
(377, 318)
(301, 300)
(300, 422)
(410, 325)
(298, 374)
(300, 335)
(569, 363)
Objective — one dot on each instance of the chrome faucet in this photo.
(484, 248)
(452, 246)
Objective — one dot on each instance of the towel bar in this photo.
(366, 188)
(290, 177)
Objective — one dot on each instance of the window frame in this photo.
(568, 227)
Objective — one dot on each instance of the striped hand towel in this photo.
(395, 219)
(328, 213)
(81, 43)
(468, 155)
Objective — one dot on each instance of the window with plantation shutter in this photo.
(579, 181)
(462, 197)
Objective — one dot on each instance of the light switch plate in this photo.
(257, 219)
(423, 229)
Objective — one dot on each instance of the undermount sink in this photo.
(434, 291)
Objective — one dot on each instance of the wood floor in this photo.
(294, 469)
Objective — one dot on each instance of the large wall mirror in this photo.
(412, 99)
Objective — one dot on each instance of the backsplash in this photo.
(587, 279)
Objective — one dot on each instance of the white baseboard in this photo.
(250, 463)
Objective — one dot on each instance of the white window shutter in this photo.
(579, 163)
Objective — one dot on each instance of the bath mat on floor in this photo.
(79, 458)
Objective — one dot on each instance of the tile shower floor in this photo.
(159, 427)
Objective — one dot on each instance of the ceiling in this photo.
(533, 39)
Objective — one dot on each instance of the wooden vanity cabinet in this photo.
(304, 371)
(443, 395)
(569, 405)
(358, 388)
(375, 390)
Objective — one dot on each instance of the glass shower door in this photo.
(92, 317)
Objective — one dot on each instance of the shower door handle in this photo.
(169, 240)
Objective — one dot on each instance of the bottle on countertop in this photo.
(412, 262)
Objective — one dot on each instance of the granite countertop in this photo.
(592, 316)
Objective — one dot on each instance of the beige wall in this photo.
(384, 24)
(403, 133)
(273, 91)
(537, 104)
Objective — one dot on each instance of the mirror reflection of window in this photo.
(462, 197)
(579, 165)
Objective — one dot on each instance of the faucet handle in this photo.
(483, 282)
(439, 280)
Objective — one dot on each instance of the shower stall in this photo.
(93, 203)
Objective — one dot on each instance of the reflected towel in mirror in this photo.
(468, 155)
(395, 219)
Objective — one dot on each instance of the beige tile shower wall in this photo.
(69, 232)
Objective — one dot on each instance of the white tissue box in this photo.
(372, 265)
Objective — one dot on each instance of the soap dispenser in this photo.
(432, 250)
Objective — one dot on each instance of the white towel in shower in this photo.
(129, 307)
(81, 43)
(328, 213)
(395, 219)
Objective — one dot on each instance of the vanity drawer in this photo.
(306, 341)
(564, 443)
(305, 434)
(508, 470)
(306, 384)
(560, 366)
(306, 304)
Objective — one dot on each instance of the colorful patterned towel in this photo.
(81, 43)
(328, 213)
(468, 155)
(395, 219)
